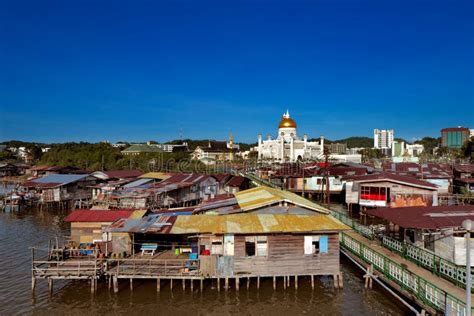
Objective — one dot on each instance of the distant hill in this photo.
(357, 141)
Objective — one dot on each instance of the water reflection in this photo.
(19, 231)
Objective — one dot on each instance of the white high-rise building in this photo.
(383, 138)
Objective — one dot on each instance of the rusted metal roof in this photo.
(97, 215)
(154, 223)
(255, 224)
(389, 177)
(156, 175)
(223, 203)
(263, 196)
(432, 217)
(464, 168)
(121, 174)
(228, 224)
(236, 181)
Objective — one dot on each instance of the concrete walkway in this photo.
(443, 284)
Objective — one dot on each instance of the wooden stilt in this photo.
(184, 284)
(289, 281)
(50, 285)
(296, 282)
(202, 285)
(218, 284)
(341, 281)
(258, 283)
(248, 283)
(33, 283)
(226, 284)
(312, 281)
(115, 281)
(158, 285)
(192, 284)
(110, 282)
(171, 284)
(284, 282)
(237, 281)
(274, 283)
(131, 284)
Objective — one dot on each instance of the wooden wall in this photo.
(286, 257)
(86, 232)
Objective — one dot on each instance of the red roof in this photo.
(377, 177)
(121, 174)
(432, 217)
(221, 177)
(236, 181)
(97, 215)
(464, 168)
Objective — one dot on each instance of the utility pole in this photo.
(467, 225)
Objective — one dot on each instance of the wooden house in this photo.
(87, 225)
(389, 190)
(185, 189)
(63, 189)
(464, 178)
(233, 246)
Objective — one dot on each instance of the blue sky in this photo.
(141, 70)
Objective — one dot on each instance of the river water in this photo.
(19, 231)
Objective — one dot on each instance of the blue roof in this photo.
(137, 183)
(60, 178)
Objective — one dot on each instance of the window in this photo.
(372, 193)
(256, 246)
(262, 246)
(216, 246)
(229, 245)
(250, 246)
(315, 245)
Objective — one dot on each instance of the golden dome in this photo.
(286, 121)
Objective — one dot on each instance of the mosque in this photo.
(288, 147)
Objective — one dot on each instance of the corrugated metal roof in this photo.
(60, 178)
(156, 175)
(137, 183)
(389, 177)
(264, 196)
(229, 224)
(432, 217)
(255, 224)
(97, 215)
(138, 214)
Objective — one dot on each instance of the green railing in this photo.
(361, 229)
(425, 291)
(260, 181)
(439, 266)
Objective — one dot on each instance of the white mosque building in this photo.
(288, 147)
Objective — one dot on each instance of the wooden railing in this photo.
(68, 268)
(154, 267)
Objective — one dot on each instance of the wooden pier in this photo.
(86, 267)
(167, 267)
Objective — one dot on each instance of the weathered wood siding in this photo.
(87, 232)
(286, 257)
